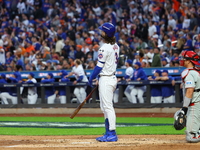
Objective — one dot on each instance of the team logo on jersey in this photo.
(100, 56)
(188, 82)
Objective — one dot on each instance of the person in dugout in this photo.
(156, 90)
(50, 92)
(62, 90)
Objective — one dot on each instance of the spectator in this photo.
(156, 61)
(59, 45)
(165, 63)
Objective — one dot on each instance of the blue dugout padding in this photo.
(173, 71)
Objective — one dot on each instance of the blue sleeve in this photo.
(47, 80)
(126, 76)
(13, 79)
(80, 78)
(29, 82)
(96, 71)
(142, 75)
(65, 80)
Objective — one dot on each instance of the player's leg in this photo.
(107, 86)
(77, 94)
(171, 99)
(192, 124)
(82, 94)
(4, 96)
(62, 99)
(32, 99)
(116, 95)
(13, 99)
(141, 91)
(51, 99)
(127, 92)
(134, 92)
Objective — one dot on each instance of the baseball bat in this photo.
(81, 105)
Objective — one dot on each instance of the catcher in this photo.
(191, 102)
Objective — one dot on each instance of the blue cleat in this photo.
(109, 137)
(102, 137)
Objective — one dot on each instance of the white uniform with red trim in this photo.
(191, 79)
(107, 60)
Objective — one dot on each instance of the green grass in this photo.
(89, 131)
(89, 119)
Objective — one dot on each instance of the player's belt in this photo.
(197, 90)
(32, 94)
(107, 75)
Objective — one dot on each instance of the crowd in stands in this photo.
(51, 34)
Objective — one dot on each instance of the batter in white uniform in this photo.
(32, 91)
(106, 68)
(80, 76)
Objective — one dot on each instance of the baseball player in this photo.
(191, 89)
(12, 95)
(3, 89)
(50, 92)
(128, 75)
(167, 89)
(32, 91)
(156, 90)
(138, 90)
(80, 76)
(106, 66)
(62, 91)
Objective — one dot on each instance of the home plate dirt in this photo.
(125, 142)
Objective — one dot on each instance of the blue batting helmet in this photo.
(108, 28)
(159, 72)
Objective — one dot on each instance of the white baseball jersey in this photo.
(32, 90)
(129, 71)
(79, 71)
(108, 65)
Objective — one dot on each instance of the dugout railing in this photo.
(93, 103)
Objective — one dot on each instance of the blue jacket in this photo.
(62, 91)
(4, 89)
(139, 73)
(156, 90)
(13, 90)
(49, 91)
(168, 89)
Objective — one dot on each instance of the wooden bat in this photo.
(81, 105)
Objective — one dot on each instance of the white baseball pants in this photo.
(32, 98)
(80, 93)
(107, 85)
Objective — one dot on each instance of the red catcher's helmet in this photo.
(190, 55)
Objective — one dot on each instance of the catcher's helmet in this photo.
(189, 55)
(108, 28)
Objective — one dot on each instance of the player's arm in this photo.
(96, 71)
(64, 80)
(70, 74)
(189, 86)
(47, 80)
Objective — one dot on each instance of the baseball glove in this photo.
(180, 120)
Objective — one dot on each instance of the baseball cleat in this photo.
(110, 137)
(192, 138)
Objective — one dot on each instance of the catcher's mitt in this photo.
(180, 120)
